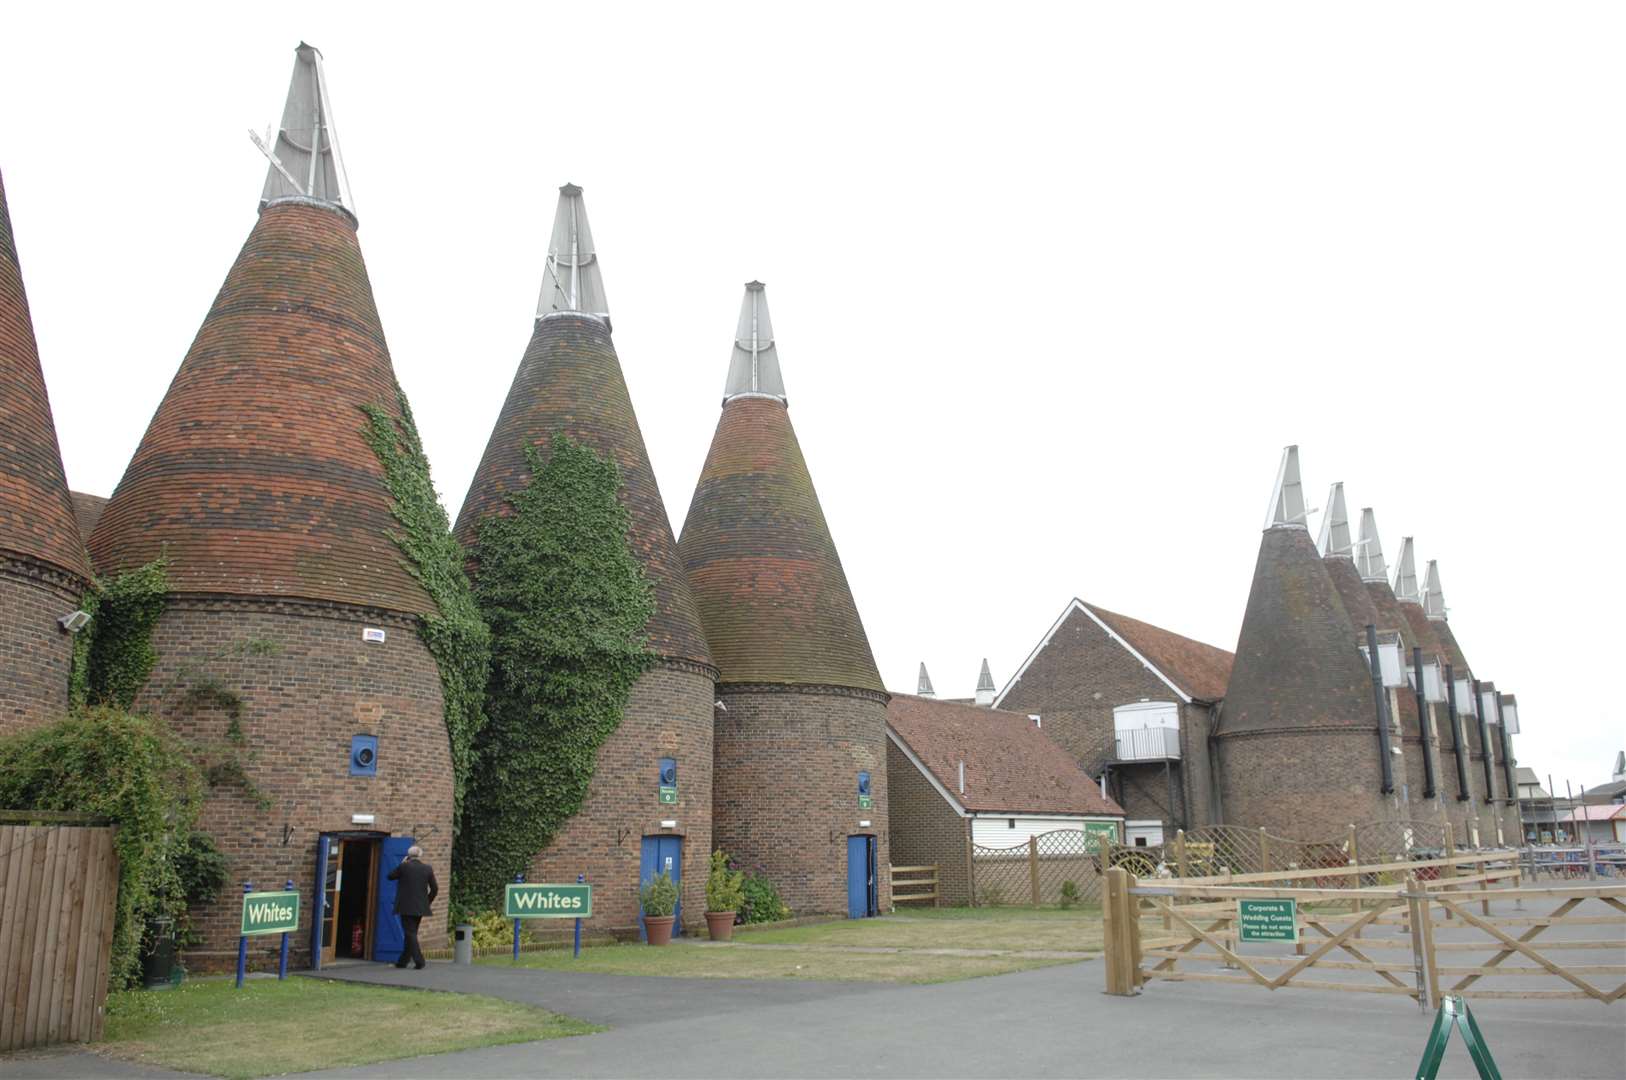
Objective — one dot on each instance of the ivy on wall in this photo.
(567, 604)
(113, 655)
(456, 637)
(133, 771)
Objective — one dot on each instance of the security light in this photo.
(74, 621)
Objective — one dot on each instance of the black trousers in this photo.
(409, 927)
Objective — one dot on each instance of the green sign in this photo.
(1101, 830)
(1267, 920)
(668, 793)
(548, 902)
(865, 802)
(270, 912)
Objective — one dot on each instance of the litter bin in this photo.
(463, 944)
(158, 962)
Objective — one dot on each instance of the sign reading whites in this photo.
(270, 912)
(548, 901)
(1267, 920)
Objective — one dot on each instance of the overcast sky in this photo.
(1052, 286)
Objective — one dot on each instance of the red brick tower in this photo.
(803, 723)
(43, 570)
(289, 596)
(1423, 783)
(1300, 747)
(570, 383)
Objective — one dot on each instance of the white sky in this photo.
(1052, 286)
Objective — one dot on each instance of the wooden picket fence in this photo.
(59, 885)
(1186, 930)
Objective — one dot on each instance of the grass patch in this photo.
(949, 928)
(270, 1027)
(700, 960)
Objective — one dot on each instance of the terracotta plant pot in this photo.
(721, 925)
(659, 928)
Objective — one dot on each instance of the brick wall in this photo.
(785, 790)
(1304, 783)
(1076, 681)
(668, 715)
(34, 652)
(308, 683)
(924, 830)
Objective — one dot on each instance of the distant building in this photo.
(963, 776)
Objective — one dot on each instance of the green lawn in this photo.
(1048, 929)
(270, 1027)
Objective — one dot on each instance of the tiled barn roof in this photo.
(772, 595)
(570, 383)
(1201, 670)
(1011, 765)
(254, 474)
(36, 517)
(1297, 664)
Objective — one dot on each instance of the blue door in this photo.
(388, 939)
(861, 893)
(662, 853)
(318, 905)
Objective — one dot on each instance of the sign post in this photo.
(576, 953)
(1267, 920)
(266, 913)
(519, 879)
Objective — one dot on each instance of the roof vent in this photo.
(306, 164)
(572, 283)
(1287, 499)
(753, 369)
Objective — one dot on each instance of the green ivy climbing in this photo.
(456, 636)
(567, 604)
(113, 655)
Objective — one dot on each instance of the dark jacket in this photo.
(418, 887)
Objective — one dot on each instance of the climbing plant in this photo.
(455, 635)
(113, 655)
(567, 604)
(131, 770)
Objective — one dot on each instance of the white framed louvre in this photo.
(1466, 705)
(1391, 659)
(1510, 714)
(1487, 703)
(1433, 683)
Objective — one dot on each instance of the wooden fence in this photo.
(1053, 868)
(58, 895)
(1344, 921)
(917, 882)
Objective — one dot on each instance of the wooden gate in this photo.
(1351, 921)
(58, 894)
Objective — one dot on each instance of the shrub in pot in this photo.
(659, 897)
(725, 892)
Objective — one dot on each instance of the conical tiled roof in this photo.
(772, 594)
(254, 474)
(36, 515)
(570, 383)
(1297, 664)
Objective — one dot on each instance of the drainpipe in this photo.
(1463, 792)
(1381, 699)
(1485, 742)
(1507, 756)
(1423, 726)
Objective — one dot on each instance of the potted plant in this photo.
(725, 889)
(659, 897)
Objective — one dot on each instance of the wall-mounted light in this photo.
(361, 819)
(73, 621)
(669, 824)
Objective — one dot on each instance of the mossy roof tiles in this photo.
(766, 576)
(1297, 665)
(1352, 592)
(570, 383)
(36, 516)
(254, 474)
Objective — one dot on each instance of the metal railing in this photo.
(1148, 744)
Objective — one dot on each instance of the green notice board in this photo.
(1267, 920)
(548, 901)
(1099, 830)
(270, 912)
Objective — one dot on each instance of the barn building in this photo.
(43, 568)
(1303, 748)
(291, 626)
(1134, 704)
(968, 782)
(800, 784)
(648, 806)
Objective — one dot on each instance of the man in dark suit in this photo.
(413, 896)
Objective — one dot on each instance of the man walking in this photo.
(413, 896)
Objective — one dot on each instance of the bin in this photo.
(463, 944)
(158, 961)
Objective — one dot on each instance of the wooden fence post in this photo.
(1422, 958)
(1033, 868)
(1182, 868)
(970, 868)
(1450, 869)
(1117, 950)
(1355, 860)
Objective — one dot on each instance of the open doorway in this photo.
(348, 865)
